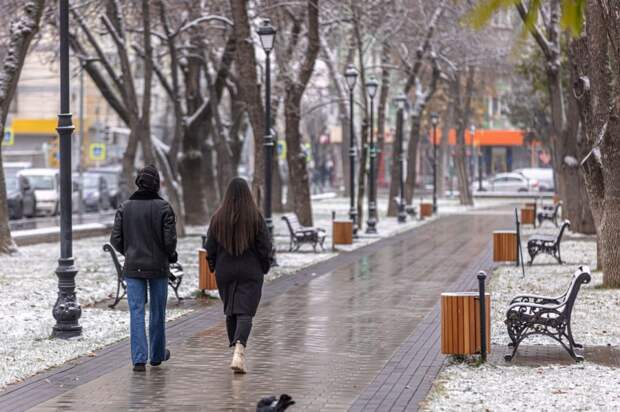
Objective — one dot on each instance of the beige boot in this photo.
(238, 360)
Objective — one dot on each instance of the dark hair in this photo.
(148, 179)
(237, 221)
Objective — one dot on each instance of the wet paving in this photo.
(322, 341)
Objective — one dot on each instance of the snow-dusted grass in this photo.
(501, 386)
(29, 287)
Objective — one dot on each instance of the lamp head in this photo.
(401, 101)
(267, 34)
(434, 119)
(371, 87)
(351, 76)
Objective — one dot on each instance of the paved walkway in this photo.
(357, 332)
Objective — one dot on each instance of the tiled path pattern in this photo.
(360, 332)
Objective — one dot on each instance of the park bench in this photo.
(549, 213)
(529, 315)
(548, 244)
(303, 234)
(174, 278)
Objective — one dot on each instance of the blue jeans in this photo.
(136, 296)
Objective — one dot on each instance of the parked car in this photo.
(45, 183)
(96, 195)
(544, 176)
(20, 197)
(112, 175)
(508, 182)
(12, 168)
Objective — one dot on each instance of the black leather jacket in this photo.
(145, 233)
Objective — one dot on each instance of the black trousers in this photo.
(238, 328)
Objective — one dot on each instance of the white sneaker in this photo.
(238, 360)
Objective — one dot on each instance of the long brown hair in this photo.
(237, 221)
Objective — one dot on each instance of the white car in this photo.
(544, 176)
(46, 184)
(509, 182)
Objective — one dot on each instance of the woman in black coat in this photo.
(239, 250)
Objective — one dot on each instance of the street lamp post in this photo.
(479, 168)
(267, 33)
(66, 310)
(371, 224)
(434, 121)
(351, 78)
(401, 102)
(472, 133)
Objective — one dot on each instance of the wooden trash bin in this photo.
(528, 216)
(426, 210)
(460, 323)
(206, 278)
(342, 232)
(505, 246)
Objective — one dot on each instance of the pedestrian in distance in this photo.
(145, 233)
(239, 251)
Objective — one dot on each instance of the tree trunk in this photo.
(208, 180)
(249, 90)
(22, 31)
(442, 164)
(395, 173)
(383, 101)
(462, 114)
(412, 156)
(299, 181)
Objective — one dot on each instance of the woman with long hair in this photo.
(239, 250)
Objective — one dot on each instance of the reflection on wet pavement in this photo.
(321, 342)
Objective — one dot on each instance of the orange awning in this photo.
(487, 137)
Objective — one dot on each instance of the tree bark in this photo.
(462, 114)
(381, 110)
(442, 164)
(22, 31)
(249, 90)
(298, 174)
(596, 88)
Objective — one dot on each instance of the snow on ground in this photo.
(500, 386)
(29, 287)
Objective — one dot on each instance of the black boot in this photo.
(166, 357)
(139, 367)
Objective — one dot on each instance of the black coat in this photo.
(145, 233)
(240, 278)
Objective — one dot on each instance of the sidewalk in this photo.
(322, 335)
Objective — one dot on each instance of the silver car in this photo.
(509, 182)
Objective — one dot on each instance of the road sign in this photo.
(8, 138)
(97, 151)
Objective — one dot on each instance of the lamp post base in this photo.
(353, 217)
(402, 214)
(67, 310)
(371, 226)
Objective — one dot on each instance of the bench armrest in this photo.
(541, 300)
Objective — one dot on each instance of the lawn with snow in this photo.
(498, 385)
(29, 287)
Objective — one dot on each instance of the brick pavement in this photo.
(334, 336)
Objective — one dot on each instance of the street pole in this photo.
(351, 77)
(67, 310)
(434, 120)
(401, 102)
(80, 154)
(479, 168)
(371, 224)
(472, 131)
(267, 33)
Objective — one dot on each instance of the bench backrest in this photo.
(580, 277)
(565, 225)
(117, 265)
(291, 222)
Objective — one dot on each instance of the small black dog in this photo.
(272, 404)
